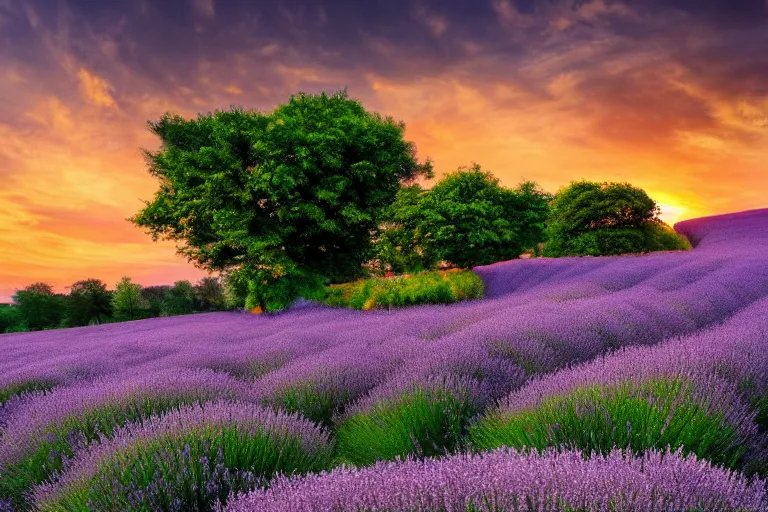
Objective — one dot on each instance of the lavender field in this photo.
(577, 384)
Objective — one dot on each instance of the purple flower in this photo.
(510, 480)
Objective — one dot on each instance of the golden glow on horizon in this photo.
(671, 213)
(71, 132)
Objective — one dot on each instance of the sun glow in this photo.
(671, 213)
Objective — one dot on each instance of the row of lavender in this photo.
(419, 382)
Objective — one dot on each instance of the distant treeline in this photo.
(89, 302)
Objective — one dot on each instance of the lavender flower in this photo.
(510, 480)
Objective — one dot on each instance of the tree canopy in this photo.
(39, 307)
(469, 219)
(179, 300)
(89, 301)
(590, 218)
(127, 301)
(288, 197)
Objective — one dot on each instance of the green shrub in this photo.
(441, 287)
(661, 237)
(602, 219)
(650, 415)
(422, 423)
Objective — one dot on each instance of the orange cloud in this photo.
(552, 94)
(96, 89)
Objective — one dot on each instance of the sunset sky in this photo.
(669, 95)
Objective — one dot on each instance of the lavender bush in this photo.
(186, 460)
(43, 433)
(507, 480)
(694, 392)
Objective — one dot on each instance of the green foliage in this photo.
(295, 190)
(653, 414)
(235, 289)
(10, 318)
(661, 237)
(127, 301)
(274, 294)
(314, 401)
(440, 287)
(21, 388)
(760, 405)
(468, 219)
(179, 300)
(209, 295)
(89, 302)
(421, 423)
(190, 470)
(153, 299)
(39, 307)
(595, 219)
(397, 248)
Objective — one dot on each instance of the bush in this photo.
(655, 414)
(314, 401)
(601, 219)
(441, 287)
(422, 422)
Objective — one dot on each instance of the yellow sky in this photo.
(73, 121)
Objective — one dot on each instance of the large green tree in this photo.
(288, 197)
(591, 218)
(39, 306)
(469, 219)
(89, 301)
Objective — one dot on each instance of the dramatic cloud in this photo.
(671, 96)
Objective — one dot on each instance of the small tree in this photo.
(285, 199)
(153, 298)
(209, 294)
(179, 300)
(469, 219)
(590, 218)
(89, 301)
(39, 307)
(127, 301)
